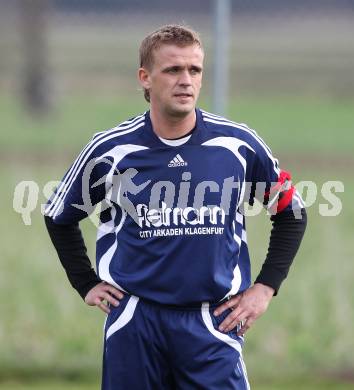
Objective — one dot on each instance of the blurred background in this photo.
(68, 70)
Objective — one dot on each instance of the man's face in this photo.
(175, 79)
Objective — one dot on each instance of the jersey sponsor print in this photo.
(172, 228)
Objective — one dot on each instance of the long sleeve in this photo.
(285, 239)
(72, 252)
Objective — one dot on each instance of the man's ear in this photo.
(144, 78)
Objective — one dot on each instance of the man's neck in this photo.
(171, 127)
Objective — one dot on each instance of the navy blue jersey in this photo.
(172, 227)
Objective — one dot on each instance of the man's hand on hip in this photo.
(103, 292)
(246, 308)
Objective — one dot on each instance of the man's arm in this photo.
(70, 246)
(284, 242)
(285, 239)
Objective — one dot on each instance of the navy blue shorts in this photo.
(149, 346)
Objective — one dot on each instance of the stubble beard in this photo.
(180, 111)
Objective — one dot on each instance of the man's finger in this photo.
(104, 308)
(230, 304)
(235, 316)
(234, 324)
(109, 298)
(246, 325)
(97, 300)
(114, 291)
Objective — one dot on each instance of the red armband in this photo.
(281, 194)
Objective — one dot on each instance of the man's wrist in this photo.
(267, 290)
(83, 290)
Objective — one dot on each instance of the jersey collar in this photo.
(194, 138)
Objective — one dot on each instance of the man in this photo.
(172, 258)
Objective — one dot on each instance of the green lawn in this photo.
(310, 126)
(293, 385)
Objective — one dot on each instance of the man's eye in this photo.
(194, 71)
(173, 70)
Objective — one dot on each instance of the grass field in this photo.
(290, 125)
(47, 332)
(289, 385)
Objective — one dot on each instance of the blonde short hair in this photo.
(171, 34)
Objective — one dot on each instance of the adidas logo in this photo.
(177, 162)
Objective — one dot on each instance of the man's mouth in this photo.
(183, 95)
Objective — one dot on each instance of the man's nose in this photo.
(185, 78)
